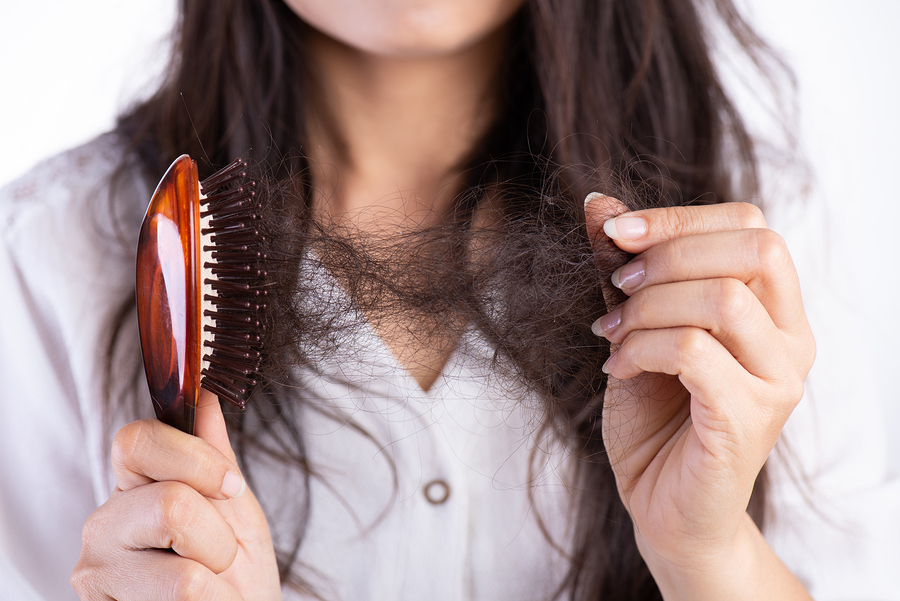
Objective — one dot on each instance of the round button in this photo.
(437, 492)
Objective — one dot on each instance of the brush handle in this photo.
(168, 295)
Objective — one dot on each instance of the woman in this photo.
(432, 159)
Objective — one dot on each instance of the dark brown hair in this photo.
(620, 96)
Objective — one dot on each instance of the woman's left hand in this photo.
(710, 353)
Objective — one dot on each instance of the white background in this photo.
(66, 68)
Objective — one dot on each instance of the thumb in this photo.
(598, 208)
(209, 424)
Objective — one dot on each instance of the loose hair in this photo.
(620, 96)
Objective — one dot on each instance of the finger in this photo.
(150, 576)
(241, 510)
(650, 409)
(637, 231)
(724, 307)
(690, 353)
(599, 207)
(209, 424)
(606, 254)
(757, 257)
(170, 515)
(723, 394)
(717, 388)
(162, 515)
(150, 451)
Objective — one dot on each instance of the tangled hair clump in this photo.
(522, 272)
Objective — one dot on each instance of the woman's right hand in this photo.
(180, 523)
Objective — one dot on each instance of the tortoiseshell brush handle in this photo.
(168, 295)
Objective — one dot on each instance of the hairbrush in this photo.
(200, 289)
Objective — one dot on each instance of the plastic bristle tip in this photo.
(222, 376)
(231, 210)
(243, 367)
(229, 351)
(224, 393)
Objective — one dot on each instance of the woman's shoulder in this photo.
(67, 232)
(60, 182)
(74, 210)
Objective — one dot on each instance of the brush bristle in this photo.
(235, 284)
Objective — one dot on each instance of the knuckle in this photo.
(93, 530)
(682, 221)
(83, 579)
(192, 583)
(790, 393)
(89, 579)
(207, 468)
(126, 443)
(810, 355)
(747, 216)
(78, 582)
(771, 249)
(627, 346)
(732, 300)
(795, 391)
(175, 511)
(797, 384)
(668, 260)
(803, 354)
(789, 384)
(635, 307)
(628, 353)
(691, 345)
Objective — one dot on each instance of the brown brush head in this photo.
(200, 289)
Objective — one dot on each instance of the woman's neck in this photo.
(397, 131)
(388, 152)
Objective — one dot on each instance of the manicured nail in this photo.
(590, 197)
(630, 275)
(610, 363)
(625, 227)
(607, 323)
(233, 485)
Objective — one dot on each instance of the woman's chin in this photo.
(407, 29)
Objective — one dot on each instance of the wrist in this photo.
(741, 568)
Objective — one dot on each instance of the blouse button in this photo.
(437, 492)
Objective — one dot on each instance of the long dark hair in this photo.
(620, 96)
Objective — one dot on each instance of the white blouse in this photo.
(437, 494)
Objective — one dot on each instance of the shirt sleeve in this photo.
(59, 280)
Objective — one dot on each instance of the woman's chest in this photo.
(455, 493)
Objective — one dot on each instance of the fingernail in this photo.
(592, 196)
(233, 485)
(610, 363)
(630, 275)
(607, 323)
(625, 228)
